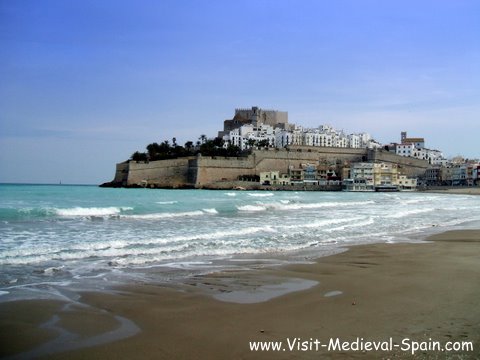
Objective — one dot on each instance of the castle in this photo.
(303, 156)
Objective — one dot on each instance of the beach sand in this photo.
(474, 190)
(418, 291)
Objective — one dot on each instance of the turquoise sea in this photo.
(55, 239)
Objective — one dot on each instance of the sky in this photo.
(85, 83)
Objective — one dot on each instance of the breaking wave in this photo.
(92, 211)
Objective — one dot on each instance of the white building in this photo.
(407, 184)
(405, 149)
(247, 135)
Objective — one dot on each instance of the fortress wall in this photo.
(282, 159)
(408, 166)
(203, 171)
(159, 173)
(206, 170)
(121, 174)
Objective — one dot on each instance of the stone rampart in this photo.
(121, 174)
(206, 170)
(202, 171)
(161, 173)
(408, 166)
(283, 159)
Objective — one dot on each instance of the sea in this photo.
(57, 240)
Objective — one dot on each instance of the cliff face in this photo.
(212, 172)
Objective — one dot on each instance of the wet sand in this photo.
(419, 291)
(474, 190)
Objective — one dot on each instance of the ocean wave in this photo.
(353, 223)
(285, 205)
(260, 194)
(166, 215)
(210, 211)
(230, 194)
(167, 202)
(319, 223)
(251, 208)
(91, 211)
(405, 213)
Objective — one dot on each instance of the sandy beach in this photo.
(474, 190)
(424, 292)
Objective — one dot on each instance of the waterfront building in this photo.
(433, 176)
(407, 184)
(459, 175)
(476, 175)
(270, 178)
(362, 174)
(369, 176)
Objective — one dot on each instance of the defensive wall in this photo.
(408, 166)
(209, 172)
(161, 173)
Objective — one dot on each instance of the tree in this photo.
(265, 143)
(138, 156)
(218, 142)
(153, 150)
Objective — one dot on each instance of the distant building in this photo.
(415, 147)
(417, 142)
(255, 116)
(254, 125)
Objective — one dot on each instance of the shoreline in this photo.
(472, 190)
(375, 291)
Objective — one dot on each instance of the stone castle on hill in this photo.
(286, 156)
(255, 117)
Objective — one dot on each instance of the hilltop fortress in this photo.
(293, 157)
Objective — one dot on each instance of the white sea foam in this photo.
(252, 208)
(210, 211)
(165, 215)
(91, 211)
(404, 213)
(52, 270)
(301, 206)
(196, 236)
(260, 194)
(353, 223)
(319, 223)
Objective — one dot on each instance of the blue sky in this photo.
(84, 84)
